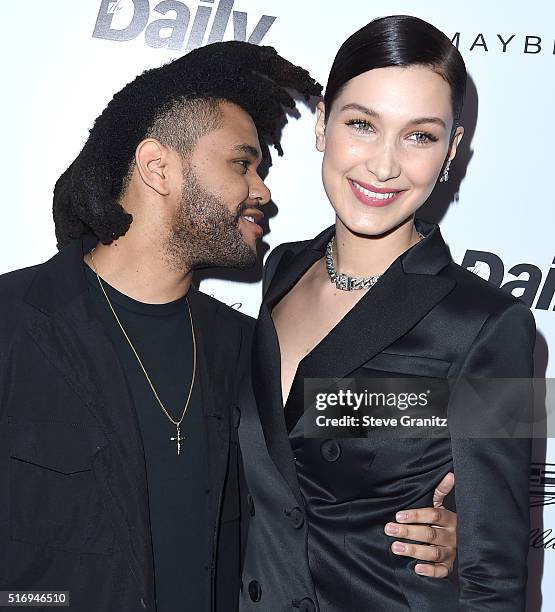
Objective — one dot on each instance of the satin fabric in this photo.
(425, 317)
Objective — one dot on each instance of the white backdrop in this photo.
(63, 61)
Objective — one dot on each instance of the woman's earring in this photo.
(445, 174)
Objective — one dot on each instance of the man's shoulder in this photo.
(14, 285)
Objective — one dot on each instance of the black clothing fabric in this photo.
(177, 485)
(75, 513)
(428, 317)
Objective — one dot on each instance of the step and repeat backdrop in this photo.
(65, 59)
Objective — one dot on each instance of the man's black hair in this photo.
(176, 104)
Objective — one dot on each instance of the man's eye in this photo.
(361, 125)
(422, 138)
(244, 163)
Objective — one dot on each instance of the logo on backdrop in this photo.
(542, 539)
(542, 493)
(526, 281)
(125, 20)
(502, 43)
(542, 484)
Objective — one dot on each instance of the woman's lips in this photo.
(367, 196)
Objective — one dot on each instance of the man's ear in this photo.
(320, 128)
(151, 161)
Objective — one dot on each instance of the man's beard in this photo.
(205, 233)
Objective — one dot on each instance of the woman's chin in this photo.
(365, 227)
(373, 227)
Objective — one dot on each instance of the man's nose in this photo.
(259, 191)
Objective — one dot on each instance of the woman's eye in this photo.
(422, 138)
(361, 124)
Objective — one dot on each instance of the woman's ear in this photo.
(455, 141)
(320, 129)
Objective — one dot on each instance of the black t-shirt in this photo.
(177, 485)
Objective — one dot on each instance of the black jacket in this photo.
(316, 538)
(74, 511)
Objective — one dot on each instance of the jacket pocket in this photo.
(411, 365)
(53, 498)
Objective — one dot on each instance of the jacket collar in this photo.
(62, 279)
(430, 255)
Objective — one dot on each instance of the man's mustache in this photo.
(243, 207)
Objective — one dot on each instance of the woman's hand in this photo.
(435, 526)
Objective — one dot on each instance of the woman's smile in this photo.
(374, 196)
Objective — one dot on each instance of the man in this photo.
(119, 379)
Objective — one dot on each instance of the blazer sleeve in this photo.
(492, 475)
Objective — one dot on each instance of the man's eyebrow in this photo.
(248, 150)
(372, 113)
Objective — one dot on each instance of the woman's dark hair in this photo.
(177, 104)
(398, 40)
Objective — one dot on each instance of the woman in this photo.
(397, 305)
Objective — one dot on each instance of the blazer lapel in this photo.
(210, 340)
(388, 311)
(266, 360)
(405, 293)
(293, 265)
(217, 348)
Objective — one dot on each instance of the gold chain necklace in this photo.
(177, 439)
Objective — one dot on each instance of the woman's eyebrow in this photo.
(360, 108)
(420, 120)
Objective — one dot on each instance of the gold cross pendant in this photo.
(178, 439)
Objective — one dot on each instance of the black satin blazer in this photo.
(428, 317)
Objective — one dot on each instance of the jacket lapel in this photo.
(410, 288)
(388, 311)
(63, 325)
(266, 368)
(217, 347)
(266, 360)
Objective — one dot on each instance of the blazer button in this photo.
(295, 515)
(255, 590)
(250, 504)
(144, 605)
(305, 605)
(236, 416)
(331, 451)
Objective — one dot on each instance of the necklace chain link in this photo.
(344, 281)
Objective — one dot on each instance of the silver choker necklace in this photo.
(345, 282)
